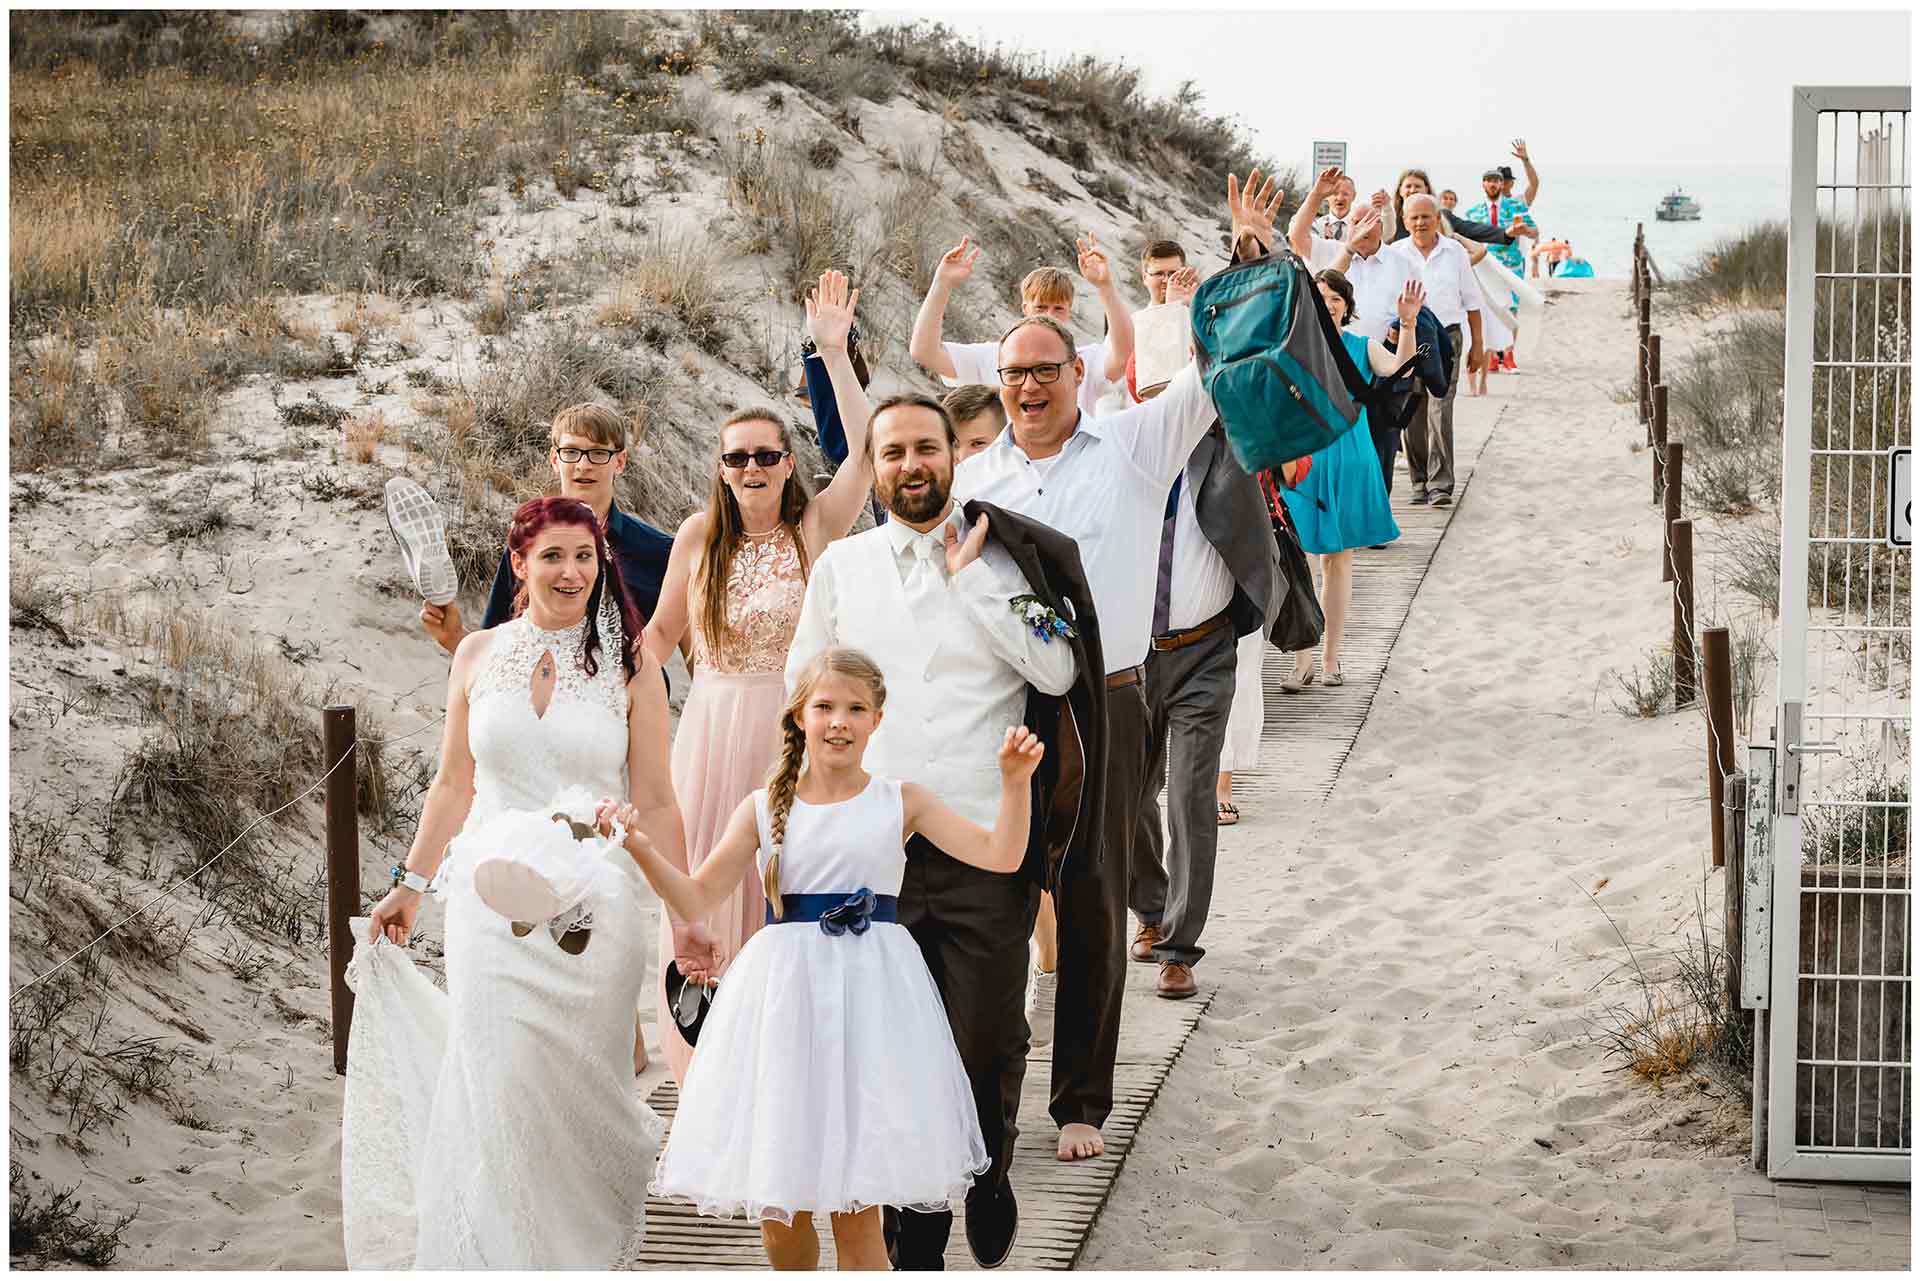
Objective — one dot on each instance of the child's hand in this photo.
(1020, 754)
(623, 813)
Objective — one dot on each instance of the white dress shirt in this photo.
(1107, 490)
(1448, 275)
(1323, 253)
(1330, 227)
(979, 362)
(956, 658)
(1200, 584)
(1377, 281)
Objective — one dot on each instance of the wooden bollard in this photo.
(1653, 371)
(1716, 655)
(1657, 432)
(1686, 678)
(343, 865)
(1670, 506)
(1642, 409)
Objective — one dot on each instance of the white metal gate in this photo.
(1840, 1052)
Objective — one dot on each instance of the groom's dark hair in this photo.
(915, 400)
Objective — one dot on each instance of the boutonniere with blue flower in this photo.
(1039, 616)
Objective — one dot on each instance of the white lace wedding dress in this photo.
(495, 1125)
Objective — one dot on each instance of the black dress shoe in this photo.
(1443, 498)
(993, 1220)
(1419, 498)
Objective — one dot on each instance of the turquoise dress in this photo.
(1342, 502)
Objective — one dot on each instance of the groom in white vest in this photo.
(927, 598)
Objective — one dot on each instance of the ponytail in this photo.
(780, 789)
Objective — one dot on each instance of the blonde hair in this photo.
(851, 664)
(1047, 286)
(597, 423)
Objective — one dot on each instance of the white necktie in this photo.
(923, 578)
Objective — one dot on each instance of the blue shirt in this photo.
(638, 548)
(1511, 207)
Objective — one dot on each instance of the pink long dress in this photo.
(729, 736)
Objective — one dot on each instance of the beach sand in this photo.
(1398, 1068)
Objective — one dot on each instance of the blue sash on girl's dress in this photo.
(837, 913)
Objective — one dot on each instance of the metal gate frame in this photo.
(1803, 714)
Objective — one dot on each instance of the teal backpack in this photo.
(1271, 359)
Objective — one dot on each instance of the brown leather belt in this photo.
(1180, 640)
(1126, 676)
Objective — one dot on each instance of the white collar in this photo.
(901, 536)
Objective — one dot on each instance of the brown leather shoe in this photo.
(1143, 941)
(1176, 981)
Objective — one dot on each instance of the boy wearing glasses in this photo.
(588, 451)
(1045, 291)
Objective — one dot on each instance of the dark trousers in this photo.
(972, 927)
(1189, 695)
(1430, 430)
(1386, 437)
(1091, 907)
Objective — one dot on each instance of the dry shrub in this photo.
(364, 435)
(785, 205)
(365, 315)
(909, 217)
(675, 281)
(494, 315)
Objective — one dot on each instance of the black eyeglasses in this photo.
(735, 459)
(1041, 373)
(570, 454)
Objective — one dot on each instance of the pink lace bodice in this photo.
(765, 588)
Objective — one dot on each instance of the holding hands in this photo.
(956, 264)
(830, 308)
(1020, 754)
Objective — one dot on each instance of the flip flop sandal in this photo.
(1227, 813)
(421, 531)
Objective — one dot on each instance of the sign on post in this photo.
(1326, 154)
(1900, 496)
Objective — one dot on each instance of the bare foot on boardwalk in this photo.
(1079, 1142)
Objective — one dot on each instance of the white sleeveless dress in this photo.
(827, 1078)
(495, 1125)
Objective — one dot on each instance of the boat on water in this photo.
(1678, 207)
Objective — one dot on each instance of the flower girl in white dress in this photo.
(827, 1080)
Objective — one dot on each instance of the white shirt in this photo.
(1323, 253)
(1199, 583)
(979, 362)
(1448, 275)
(1330, 227)
(1107, 490)
(1377, 281)
(957, 660)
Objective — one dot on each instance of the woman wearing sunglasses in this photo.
(737, 577)
(493, 1125)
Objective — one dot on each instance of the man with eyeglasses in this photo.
(588, 451)
(1104, 483)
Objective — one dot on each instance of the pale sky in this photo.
(1445, 85)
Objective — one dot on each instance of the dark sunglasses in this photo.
(570, 454)
(735, 459)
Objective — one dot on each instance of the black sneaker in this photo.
(1443, 498)
(1419, 498)
(993, 1220)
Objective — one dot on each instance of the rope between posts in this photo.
(142, 909)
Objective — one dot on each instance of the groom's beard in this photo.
(922, 506)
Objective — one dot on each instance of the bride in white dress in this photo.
(496, 1125)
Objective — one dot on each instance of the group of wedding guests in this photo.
(911, 797)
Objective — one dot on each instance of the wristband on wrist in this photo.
(403, 878)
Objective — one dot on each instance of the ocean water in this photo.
(1594, 207)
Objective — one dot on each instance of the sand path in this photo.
(1396, 1069)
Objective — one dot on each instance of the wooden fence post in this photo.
(1670, 510)
(1734, 817)
(1659, 450)
(1686, 678)
(1642, 409)
(1653, 371)
(343, 865)
(1716, 656)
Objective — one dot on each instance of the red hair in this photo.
(538, 515)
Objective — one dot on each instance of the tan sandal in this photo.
(1226, 813)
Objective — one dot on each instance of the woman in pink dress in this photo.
(736, 578)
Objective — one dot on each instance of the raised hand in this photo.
(1094, 267)
(830, 308)
(1412, 298)
(1365, 219)
(1378, 199)
(1020, 754)
(1252, 209)
(1181, 285)
(1324, 184)
(961, 554)
(1520, 150)
(956, 264)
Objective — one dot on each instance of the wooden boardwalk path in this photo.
(1304, 744)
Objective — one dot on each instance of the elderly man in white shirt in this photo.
(926, 598)
(1103, 483)
(1333, 224)
(1442, 266)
